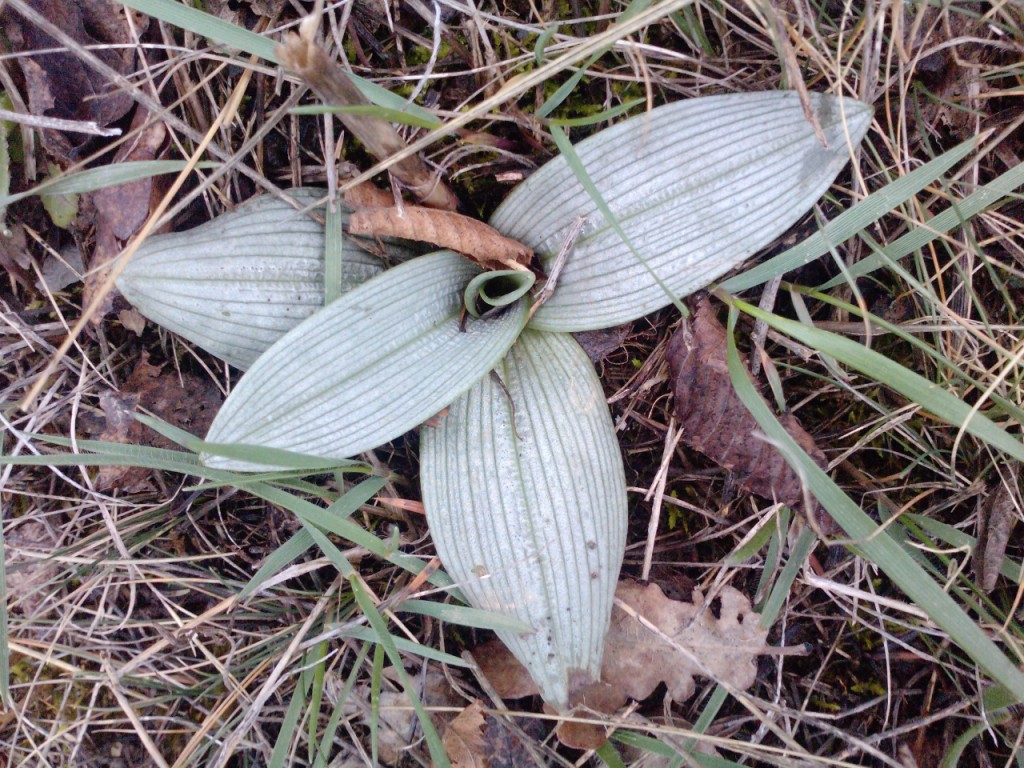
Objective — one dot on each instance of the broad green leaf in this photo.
(872, 542)
(239, 282)
(525, 496)
(851, 221)
(697, 186)
(380, 360)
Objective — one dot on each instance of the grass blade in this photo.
(939, 402)
(868, 540)
(851, 221)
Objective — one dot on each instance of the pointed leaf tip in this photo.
(525, 496)
(239, 282)
(379, 360)
(698, 186)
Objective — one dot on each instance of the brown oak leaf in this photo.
(186, 402)
(58, 83)
(122, 210)
(716, 423)
(464, 738)
(651, 640)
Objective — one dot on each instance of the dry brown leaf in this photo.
(445, 229)
(132, 320)
(398, 723)
(301, 54)
(464, 739)
(716, 423)
(503, 671)
(58, 83)
(187, 402)
(722, 637)
(997, 515)
(121, 211)
(368, 195)
(31, 577)
(651, 640)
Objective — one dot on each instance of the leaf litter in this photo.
(181, 399)
(652, 639)
(716, 423)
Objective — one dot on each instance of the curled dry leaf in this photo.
(997, 515)
(716, 423)
(652, 639)
(302, 54)
(368, 195)
(445, 229)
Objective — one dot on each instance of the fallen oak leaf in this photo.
(464, 738)
(652, 639)
(445, 229)
(183, 400)
(997, 516)
(58, 83)
(122, 210)
(716, 423)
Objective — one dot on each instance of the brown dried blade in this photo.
(997, 516)
(717, 424)
(302, 54)
(445, 229)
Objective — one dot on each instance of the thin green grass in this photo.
(191, 590)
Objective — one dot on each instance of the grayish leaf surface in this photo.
(381, 359)
(525, 496)
(239, 282)
(698, 186)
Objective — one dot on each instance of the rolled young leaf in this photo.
(525, 496)
(496, 288)
(698, 186)
(372, 365)
(239, 282)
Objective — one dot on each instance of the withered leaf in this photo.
(301, 54)
(716, 423)
(187, 402)
(445, 229)
(121, 211)
(397, 718)
(637, 659)
(651, 640)
(464, 738)
(58, 83)
(997, 515)
(368, 195)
